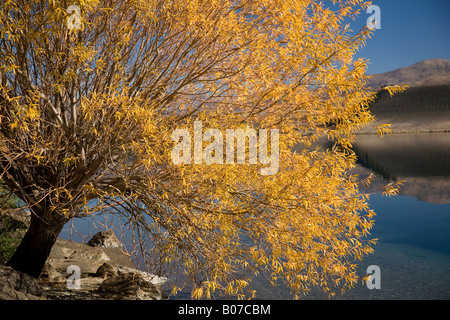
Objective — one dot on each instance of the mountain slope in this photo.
(427, 72)
(424, 106)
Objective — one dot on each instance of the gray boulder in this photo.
(105, 239)
(50, 275)
(129, 286)
(152, 278)
(65, 253)
(15, 285)
(106, 270)
(106, 273)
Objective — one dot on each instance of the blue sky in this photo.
(411, 31)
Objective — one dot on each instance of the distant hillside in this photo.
(427, 72)
(424, 100)
(424, 106)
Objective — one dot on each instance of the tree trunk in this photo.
(37, 243)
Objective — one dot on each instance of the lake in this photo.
(413, 228)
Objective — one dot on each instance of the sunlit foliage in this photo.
(88, 114)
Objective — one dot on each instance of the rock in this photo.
(87, 291)
(154, 279)
(94, 254)
(65, 253)
(129, 286)
(106, 273)
(90, 283)
(98, 265)
(15, 285)
(105, 239)
(10, 294)
(50, 275)
(106, 270)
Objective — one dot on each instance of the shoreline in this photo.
(400, 131)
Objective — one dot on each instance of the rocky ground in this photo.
(97, 270)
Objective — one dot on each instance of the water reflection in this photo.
(421, 160)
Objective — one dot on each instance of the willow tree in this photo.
(90, 99)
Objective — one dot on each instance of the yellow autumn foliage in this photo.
(90, 112)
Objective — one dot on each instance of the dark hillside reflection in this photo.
(425, 155)
(423, 160)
